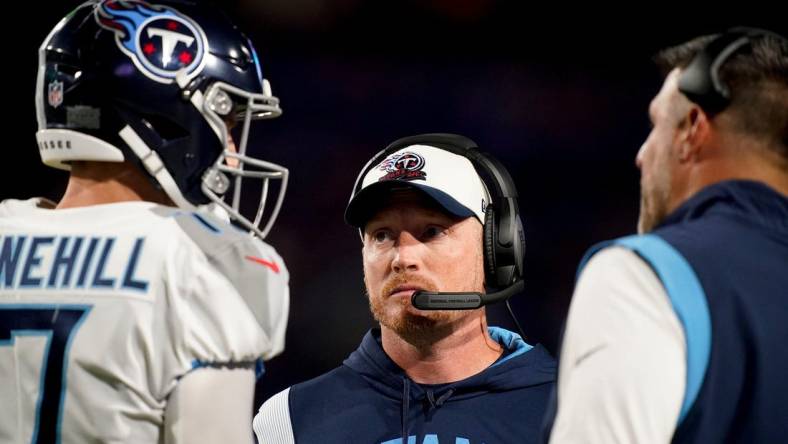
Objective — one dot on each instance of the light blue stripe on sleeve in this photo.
(688, 300)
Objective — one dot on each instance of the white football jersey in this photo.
(104, 308)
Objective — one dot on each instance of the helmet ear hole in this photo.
(66, 69)
(166, 129)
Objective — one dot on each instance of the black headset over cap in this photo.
(503, 240)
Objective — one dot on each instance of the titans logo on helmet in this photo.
(159, 40)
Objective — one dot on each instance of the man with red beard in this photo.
(678, 334)
(424, 376)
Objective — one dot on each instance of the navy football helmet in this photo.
(161, 83)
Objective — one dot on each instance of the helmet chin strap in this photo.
(153, 164)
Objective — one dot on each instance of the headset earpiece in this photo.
(700, 80)
(489, 246)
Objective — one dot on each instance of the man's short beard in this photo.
(652, 213)
(654, 201)
(419, 330)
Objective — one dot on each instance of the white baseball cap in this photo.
(448, 178)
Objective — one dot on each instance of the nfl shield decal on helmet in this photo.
(55, 96)
(159, 40)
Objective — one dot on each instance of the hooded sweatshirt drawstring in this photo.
(383, 385)
(435, 403)
(405, 407)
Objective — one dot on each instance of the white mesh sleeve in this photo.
(272, 423)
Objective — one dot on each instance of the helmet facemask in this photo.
(223, 183)
(154, 84)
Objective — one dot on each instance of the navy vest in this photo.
(722, 257)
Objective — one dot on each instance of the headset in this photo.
(700, 80)
(503, 238)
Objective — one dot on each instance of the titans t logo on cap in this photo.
(447, 178)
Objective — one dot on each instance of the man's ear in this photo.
(695, 131)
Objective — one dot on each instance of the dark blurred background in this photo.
(557, 92)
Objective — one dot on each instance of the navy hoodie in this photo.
(370, 400)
